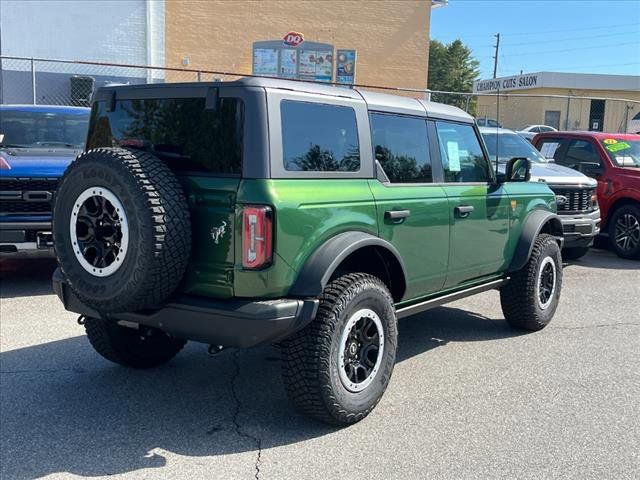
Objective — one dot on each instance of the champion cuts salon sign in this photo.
(517, 82)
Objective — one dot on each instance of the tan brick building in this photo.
(554, 98)
(391, 37)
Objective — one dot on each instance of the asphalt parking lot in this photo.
(469, 397)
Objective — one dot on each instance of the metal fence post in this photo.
(33, 81)
(199, 76)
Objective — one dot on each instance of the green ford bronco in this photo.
(270, 211)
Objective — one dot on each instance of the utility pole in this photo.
(495, 59)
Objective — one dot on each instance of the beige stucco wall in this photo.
(515, 112)
(391, 37)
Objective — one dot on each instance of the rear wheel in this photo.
(141, 347)
(624, 231)
(338, 367)
(531, 297)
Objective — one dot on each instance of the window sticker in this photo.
(548, 149)
(454, 156)
(616, 147)
(610, 141)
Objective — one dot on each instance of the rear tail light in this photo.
(257, 237)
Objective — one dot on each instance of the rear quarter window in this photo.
(318, 137)
(181, 132)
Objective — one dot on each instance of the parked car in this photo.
(575, 192)
(613, 159)
(488, 122)
(37, 143)
(633, 126)
(265, 210)
(531, 131)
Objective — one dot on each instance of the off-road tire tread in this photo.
(170, 225)
(518, 296)
(108, 340)
(307, 385)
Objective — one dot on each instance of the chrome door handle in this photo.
(463, 211)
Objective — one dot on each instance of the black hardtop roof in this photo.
(383, 102)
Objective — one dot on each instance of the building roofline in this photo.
(565, 80)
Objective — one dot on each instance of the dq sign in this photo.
(293, 39)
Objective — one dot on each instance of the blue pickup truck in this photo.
(37, 143)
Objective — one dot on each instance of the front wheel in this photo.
(531, 297)
(624, 231)
(337, 368)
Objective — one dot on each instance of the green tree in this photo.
(452, 68)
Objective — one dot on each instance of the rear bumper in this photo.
(580, 229)
(26, 239)
(232, 323)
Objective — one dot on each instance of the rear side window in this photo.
(188, 137)
(319, 137)
(462, 156)
(401, 147)
(578, 152)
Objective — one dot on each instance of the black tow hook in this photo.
(81, 320)
(214, 350)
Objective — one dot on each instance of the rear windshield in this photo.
(188, 137)
(623, 152)
(36, 128)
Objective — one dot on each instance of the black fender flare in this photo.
(535, 222)
(324, 261)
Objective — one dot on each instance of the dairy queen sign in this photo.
(517, 82)
(293, 39)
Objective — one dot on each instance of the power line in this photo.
(583, 66)
(593, 47)
(570, 39)
(540, 32)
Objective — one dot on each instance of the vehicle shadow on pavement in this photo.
(597, 258)
(26, 277)
(65, 409)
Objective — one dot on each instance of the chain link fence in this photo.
(57, 82)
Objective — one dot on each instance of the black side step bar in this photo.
(451, 297)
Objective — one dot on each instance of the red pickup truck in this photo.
(614, 160)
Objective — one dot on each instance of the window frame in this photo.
(588, 141)
(276, 150)
(436, 167)
(492, 174)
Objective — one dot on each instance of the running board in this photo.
(451, 297)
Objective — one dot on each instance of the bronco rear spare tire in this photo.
(122, 230)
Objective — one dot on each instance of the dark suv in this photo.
(266, 210)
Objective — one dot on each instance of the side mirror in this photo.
(518, 170)
(590, 169)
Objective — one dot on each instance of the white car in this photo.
(530, 131)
